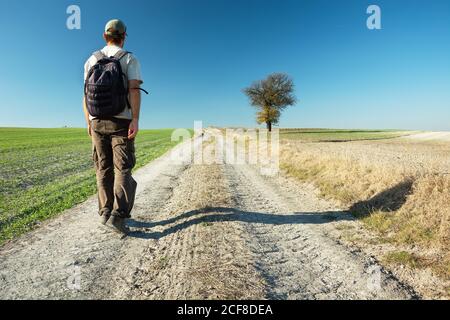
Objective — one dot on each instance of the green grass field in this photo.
(337, 135)
(45, 171)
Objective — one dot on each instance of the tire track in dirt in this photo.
(198, 253)
(295, 256)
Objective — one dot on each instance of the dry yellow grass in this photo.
(404, 200)
(224, 267)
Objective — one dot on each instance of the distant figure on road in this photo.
(111, 105)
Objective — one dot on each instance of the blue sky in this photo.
(197, 55)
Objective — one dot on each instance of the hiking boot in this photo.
(105, 214)
(119, 225)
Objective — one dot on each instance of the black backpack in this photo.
(105, 88)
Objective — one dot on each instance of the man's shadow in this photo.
(387, 201)
(220, 214)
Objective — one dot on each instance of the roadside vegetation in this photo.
(399, 189)
(45, 171)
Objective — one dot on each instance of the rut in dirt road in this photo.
(198, 232)
(287, 223)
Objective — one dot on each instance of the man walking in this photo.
(111, 106)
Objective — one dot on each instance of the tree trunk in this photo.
(269, 126)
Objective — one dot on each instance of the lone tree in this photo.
(271, 96)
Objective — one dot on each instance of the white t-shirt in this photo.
(130, 66)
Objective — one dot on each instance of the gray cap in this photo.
(115, 28)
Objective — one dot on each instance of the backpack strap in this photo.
(120, 54)
(98, 55)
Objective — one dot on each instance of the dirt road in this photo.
(430, 136)
(198, 231)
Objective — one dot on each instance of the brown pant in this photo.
(114, 158)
